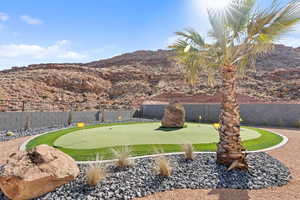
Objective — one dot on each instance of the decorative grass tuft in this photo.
(122, 155)
(163, 166)
(95, 173)
(188, 150)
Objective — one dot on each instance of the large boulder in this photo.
(30, 174)
(174, 116)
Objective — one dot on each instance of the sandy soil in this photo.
(288, 154)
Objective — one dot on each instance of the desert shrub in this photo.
(188, 151)
(122, 155)
(163, 166)
(95, 173)
(10, 133)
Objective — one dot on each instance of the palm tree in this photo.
(240, 32)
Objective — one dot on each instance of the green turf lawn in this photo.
(99, 139)
(145, 133)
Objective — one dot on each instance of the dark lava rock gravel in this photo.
(202, 173)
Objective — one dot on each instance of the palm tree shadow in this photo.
(224, 180)
(226, 194)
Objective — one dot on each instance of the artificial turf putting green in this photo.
(145, 133)
(265, 140)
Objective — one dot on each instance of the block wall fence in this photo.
(279, 115)
(24, 120)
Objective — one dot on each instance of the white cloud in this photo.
(24, 54)
(30, 20)
(4, 16)
(290, 41)
(58, 50)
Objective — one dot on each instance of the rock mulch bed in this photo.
(202, 173)
(23, 133)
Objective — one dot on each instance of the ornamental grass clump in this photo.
(188, 151)
(95, 173)
(163, 166)
(122, 155)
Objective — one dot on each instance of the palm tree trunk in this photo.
(230, 151)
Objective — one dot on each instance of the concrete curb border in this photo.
(282, 143)
(23, 145)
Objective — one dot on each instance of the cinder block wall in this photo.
(285, 115)
(21, 120)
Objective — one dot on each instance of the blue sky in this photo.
(39, 31)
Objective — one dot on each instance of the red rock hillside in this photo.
(130, 79)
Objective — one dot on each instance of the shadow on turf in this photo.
(161, 128)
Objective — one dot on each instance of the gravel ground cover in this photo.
(23, 133)
(202, 173)
(287, 154)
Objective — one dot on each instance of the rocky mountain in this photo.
(160, 58)
(281, 57)
(130, 79)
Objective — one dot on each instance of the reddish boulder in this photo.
(174, 116)
(30, 174)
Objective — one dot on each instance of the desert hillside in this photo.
(132, 78)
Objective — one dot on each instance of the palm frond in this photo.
(191, 36)
(179, 45)
(218, 32)
(240, 33)
(237, 15)
(192, 59)
(269, 26)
